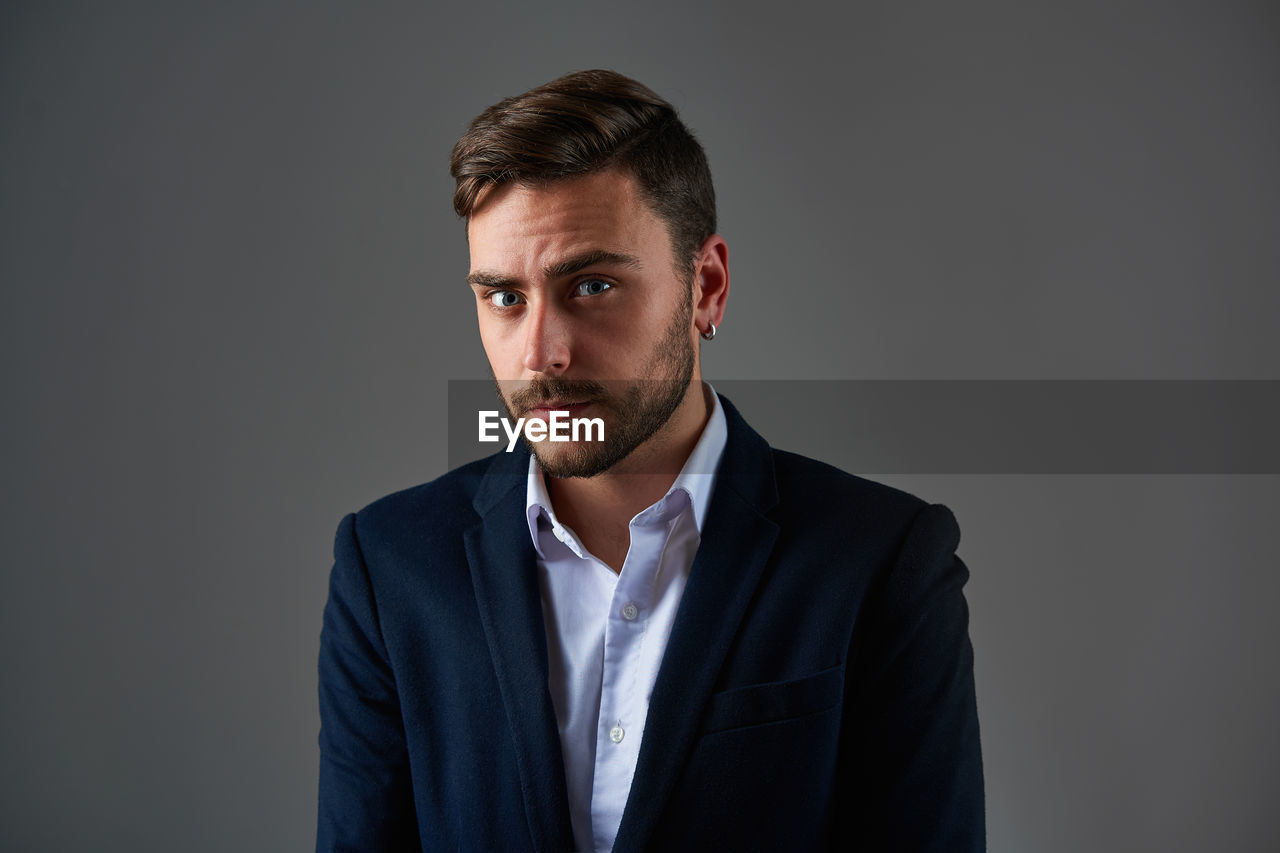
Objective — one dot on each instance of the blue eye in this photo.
(591, 287)
(503, 298)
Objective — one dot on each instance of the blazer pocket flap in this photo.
(775, 701)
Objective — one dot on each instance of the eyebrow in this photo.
(560, 269)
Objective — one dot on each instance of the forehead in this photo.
(518, 223)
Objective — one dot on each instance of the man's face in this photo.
(581, 309)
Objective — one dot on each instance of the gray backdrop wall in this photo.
(232, 299)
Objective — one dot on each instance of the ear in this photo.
(710, 282)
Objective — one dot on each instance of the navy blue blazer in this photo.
(816, 693)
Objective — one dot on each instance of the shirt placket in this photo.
(623, 708)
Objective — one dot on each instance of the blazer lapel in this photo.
(735, 547)
(504, 573)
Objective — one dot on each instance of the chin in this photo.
(570, 461)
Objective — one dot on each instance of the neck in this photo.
(599, 509)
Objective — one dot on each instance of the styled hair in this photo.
(584, 122)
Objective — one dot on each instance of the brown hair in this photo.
(583, 122)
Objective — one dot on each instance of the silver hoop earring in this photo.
(706, 336)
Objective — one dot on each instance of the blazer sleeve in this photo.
(910, 771)
(366, 800)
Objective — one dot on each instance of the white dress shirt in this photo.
(606, 632)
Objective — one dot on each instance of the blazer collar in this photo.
(737, 540)
(504, 574)
(736, 544)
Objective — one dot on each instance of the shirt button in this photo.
(616, 733)
(630, 611)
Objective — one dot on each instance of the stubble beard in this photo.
(631, 417)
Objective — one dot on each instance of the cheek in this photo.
(611, 346)
(497, 347)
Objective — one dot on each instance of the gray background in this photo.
(233, 296)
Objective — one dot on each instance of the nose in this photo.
(546, 342)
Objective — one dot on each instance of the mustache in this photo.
(541, 391)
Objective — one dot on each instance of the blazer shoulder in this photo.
(810, 483)
(816, 495)
(441, 508)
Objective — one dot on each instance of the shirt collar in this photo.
(696, 480)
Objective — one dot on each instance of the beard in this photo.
(632, 411)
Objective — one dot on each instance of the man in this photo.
(674, 638)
